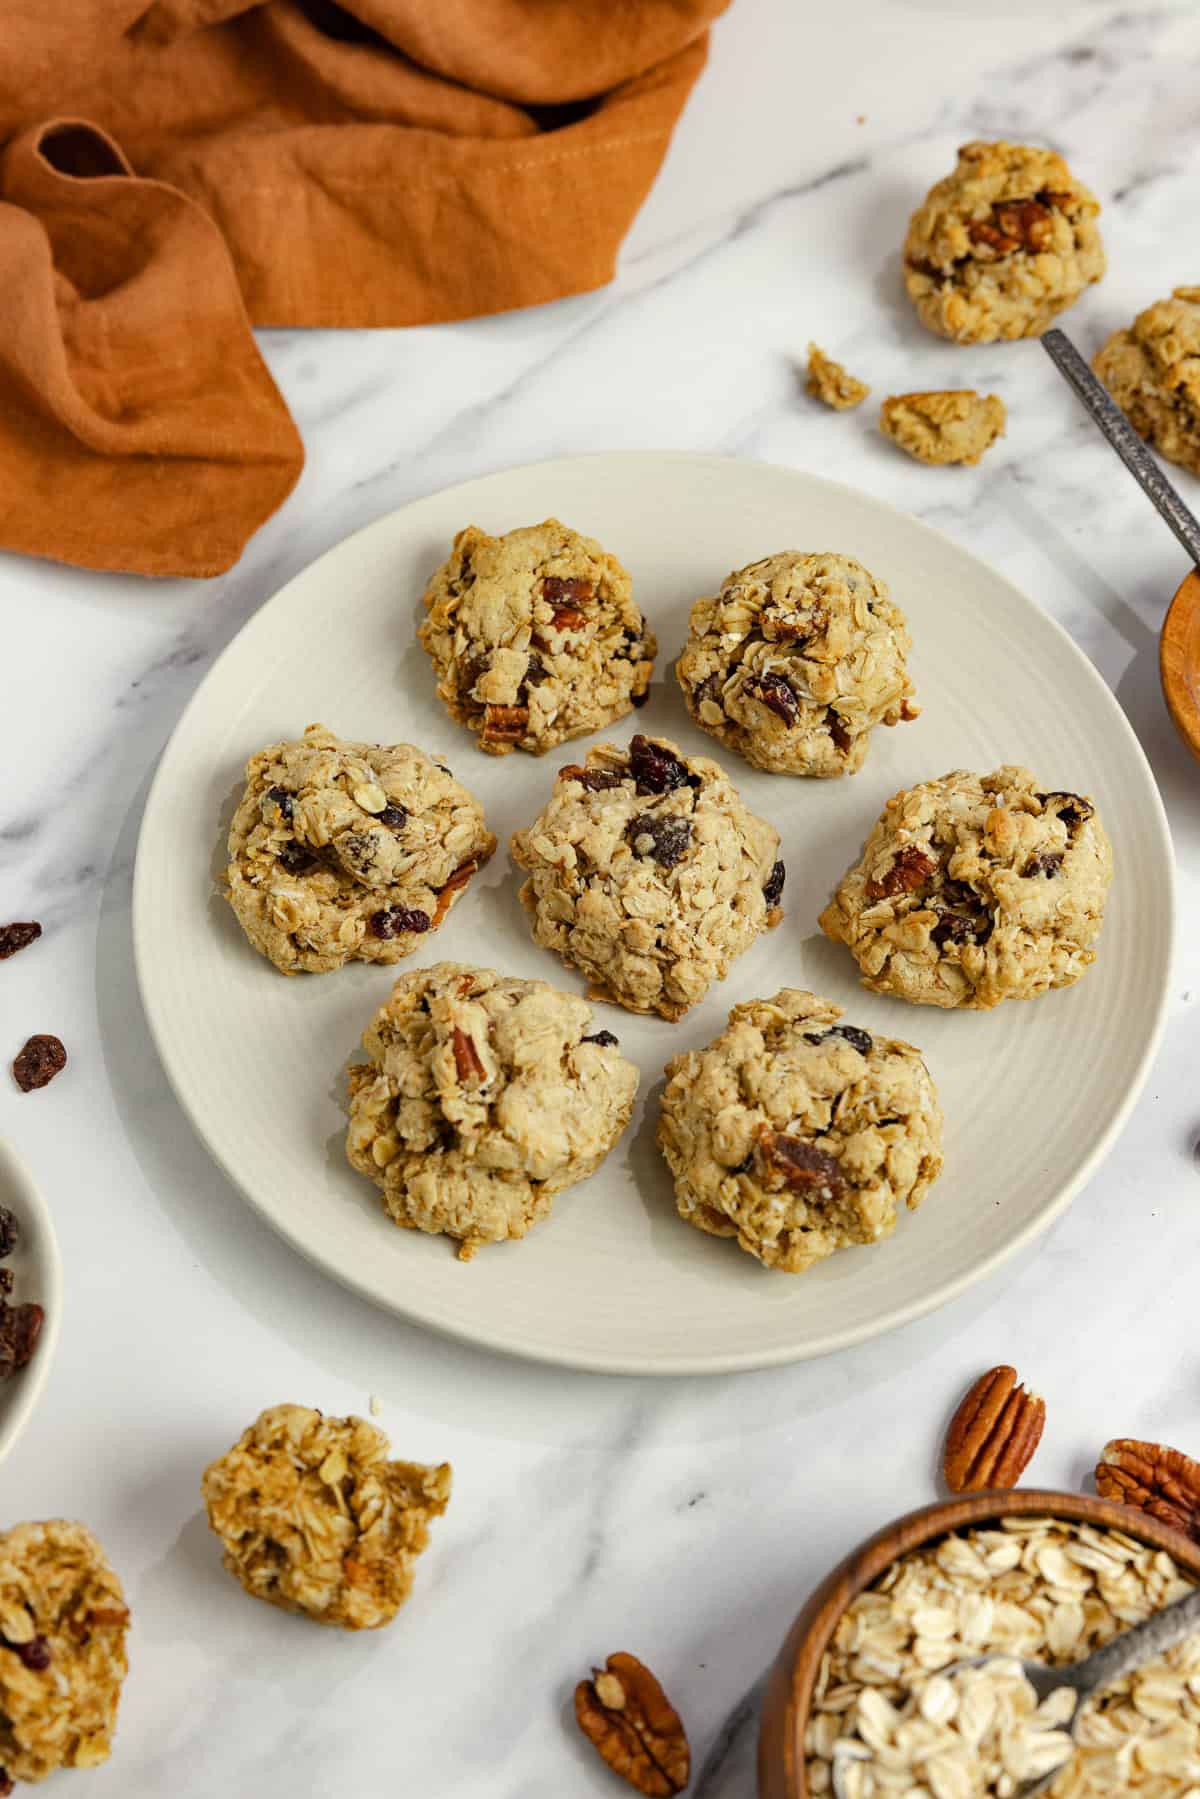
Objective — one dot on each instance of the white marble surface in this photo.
(685, 1521)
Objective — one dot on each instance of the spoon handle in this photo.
(1134, 1647)
(1124, 440)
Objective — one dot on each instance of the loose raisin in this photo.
(393, 921)
(17, 936)
(838, 731)
(602, 1040)
(395, 817)
(669, 837)
(37, 1064)
(10, 1232)
(773, 888)
(20, 1327)
(859, 1040)
(1046, 862)
(283, 799)
(595, 780)
(777, 695)
(295, 858)
(656, 769)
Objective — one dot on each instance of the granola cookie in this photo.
(798, 1135)
(484, 1096)
(349, 852)
(794, 662)
(973, 889)
(830, 382)
(315, 1519)
(1153, 373)
(953, 426)
(648, 874)
(1002, 245)
(63, 1620)
(535, 637)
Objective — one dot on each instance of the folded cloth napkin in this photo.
(177, 171)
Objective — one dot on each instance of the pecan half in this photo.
(624, 1712)
(911, 869)
(505, 723)
(798, 1164)
(467, 1060)
(993, 1434)
(448, 889)
(1164, 1483)
(1013, 225)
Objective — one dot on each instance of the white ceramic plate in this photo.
(38, 1278)
(1034, 1094)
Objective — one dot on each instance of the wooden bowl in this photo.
(1179, 661)
(793, 1676)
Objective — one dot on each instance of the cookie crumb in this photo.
(953, 425)
(374, 1405)
(829, 382)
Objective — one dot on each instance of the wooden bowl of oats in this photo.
(1050, 1576)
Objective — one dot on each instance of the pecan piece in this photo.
(1014, 225)
(993, 1434)
(505, 724)
(911, 869)
(448, 889)
(624, 1712)
(467, 1062)
(557, 589)
(798, 1164)
(567, 618)
(1164, 1483)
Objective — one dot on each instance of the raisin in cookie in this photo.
(832, 384)
(484, 1096)
(349, 852)
(974, 889)
(794, 662)
(315, 1519)
(63, 1620)
(956, 425)
(798, 1135)
(648, 874)
(1153, 373)
(1002, 245)
(535, 637)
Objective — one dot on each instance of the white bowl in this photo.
(38, 1271)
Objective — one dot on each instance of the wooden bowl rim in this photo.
(864, 1565)
(1179, 660)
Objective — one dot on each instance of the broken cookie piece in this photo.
(956, 425)
(829, 382)
(314, 1518)
(799, 1135)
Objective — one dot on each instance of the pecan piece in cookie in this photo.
(910, 869)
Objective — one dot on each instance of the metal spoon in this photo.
(1179, 653)
(1132, 1649)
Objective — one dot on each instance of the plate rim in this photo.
(725, 1362)
(33, 1212)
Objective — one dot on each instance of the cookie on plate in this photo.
(1000, 247)
(795, 661)
(63, 1620)
(484, 1096)
(799, 1135)
(648, 874)
(1153, 373)
(955, 425)
(315, 1519)
(349, 852)
(973, 889)
(535, 637)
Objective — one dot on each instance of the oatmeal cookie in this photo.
(798, 1135)
(648, 874)
(953, 426)
(535, 637)
(794, 662)
(1153, 373)
(973, 889)
(1002, 245)
(63, 1620)
(830, 382)
(349, 852)
(484, 1096)
(315, 1519)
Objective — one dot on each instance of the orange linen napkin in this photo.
(175, 171)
